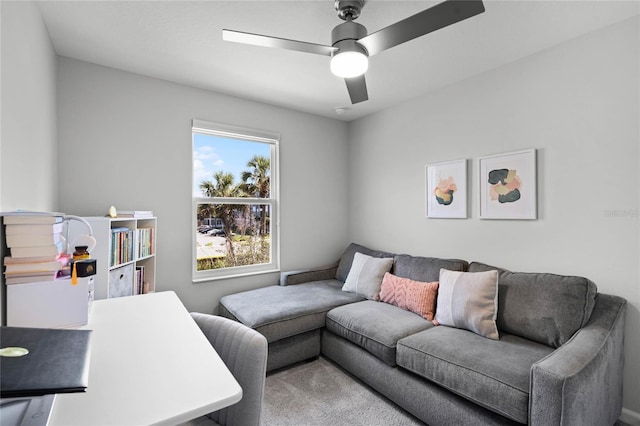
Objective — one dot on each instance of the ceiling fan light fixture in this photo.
(349, 64)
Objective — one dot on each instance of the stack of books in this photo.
(35, 243)
(140, 214)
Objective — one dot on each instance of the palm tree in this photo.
(223, 186)
(257, 183)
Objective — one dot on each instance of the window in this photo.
(235, 201)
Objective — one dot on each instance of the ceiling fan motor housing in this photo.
(346, 35)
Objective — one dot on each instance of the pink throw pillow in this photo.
(415, 296)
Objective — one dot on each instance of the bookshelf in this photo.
(125, 251)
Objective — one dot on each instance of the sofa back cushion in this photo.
(545, 308)
(425, 269)
(344, 266)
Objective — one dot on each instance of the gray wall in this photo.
(577, 104)
(28, 152)
(28, 135)
(125, 140)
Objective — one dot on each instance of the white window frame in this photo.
(246, 134)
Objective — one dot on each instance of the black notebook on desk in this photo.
(57, 361)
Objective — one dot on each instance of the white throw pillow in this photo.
(366, 274)
(469, 300)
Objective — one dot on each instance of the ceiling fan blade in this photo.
(357, 87)
(281, 43)
(436, 17)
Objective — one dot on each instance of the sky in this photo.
(212, 154)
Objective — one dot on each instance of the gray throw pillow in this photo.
(366, 274)
(468, 300)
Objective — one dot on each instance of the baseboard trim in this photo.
(630, 417)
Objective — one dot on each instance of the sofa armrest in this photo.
(308, 275)
(581, 381)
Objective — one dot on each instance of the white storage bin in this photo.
(121, 281)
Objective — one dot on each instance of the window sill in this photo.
(201, 280)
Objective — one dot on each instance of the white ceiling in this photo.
(181, 41)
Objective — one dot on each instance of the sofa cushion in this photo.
(282, 311)
(344, 266)
(414, 296)
(365, 276)
(375, 327)
(546, 308)
(426, 269)
(468, 300)
(492, 373)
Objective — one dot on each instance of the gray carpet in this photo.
(320, 393)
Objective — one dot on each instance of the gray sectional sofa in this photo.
(558, 360)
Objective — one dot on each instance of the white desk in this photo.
(150, 364)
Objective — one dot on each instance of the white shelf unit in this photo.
(118, 258)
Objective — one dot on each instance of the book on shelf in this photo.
(34, 229)
(35, 240)
(33, 218)
(139, 289)
(21, 252)
(140, 214)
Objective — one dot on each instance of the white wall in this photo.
(125, 140)
(28, 161)
(578, 105)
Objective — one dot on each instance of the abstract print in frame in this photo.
(508, 185)
(447, 190)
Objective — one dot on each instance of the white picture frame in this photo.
(508, 185)
(446, 190)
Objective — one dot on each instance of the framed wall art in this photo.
(446, 190)
(508, 185)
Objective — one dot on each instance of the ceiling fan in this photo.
(351, 45)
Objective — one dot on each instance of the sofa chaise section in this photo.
(290, 317)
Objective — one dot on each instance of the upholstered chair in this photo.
(244, 351)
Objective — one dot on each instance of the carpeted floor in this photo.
(320, 393)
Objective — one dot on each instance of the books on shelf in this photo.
(142, 286)
(144, 242)
(121, 246)
(140, 214)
